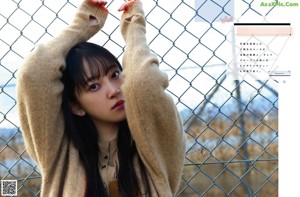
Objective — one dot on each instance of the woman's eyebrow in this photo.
(92, 78)
(110, 69)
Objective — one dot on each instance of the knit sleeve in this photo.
(39, 86)
(151, 113)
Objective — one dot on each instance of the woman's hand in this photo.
(98, 3)
(127, 4)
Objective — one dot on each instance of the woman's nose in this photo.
(113, 90)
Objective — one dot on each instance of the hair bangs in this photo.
(95, 67)
(90, 63)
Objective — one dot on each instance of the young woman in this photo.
(92, 130)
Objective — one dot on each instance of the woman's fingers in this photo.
(126, 5)
(122, 8)
(98, 2)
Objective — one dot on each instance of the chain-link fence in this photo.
(231, 125)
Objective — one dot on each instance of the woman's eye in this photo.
(94, 87)
(115, 74)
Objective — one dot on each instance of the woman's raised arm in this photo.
(39, 86)
(151, 113)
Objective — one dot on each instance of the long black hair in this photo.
(82, 131)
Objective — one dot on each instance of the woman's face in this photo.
(102, 98)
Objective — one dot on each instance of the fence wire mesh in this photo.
(231, 126)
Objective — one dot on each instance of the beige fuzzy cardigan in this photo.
(152, 116)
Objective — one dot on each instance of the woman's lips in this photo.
(118, 105)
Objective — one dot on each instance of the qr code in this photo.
(8, 187)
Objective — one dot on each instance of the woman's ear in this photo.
(77, 109)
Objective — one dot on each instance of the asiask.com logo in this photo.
(278, 3)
